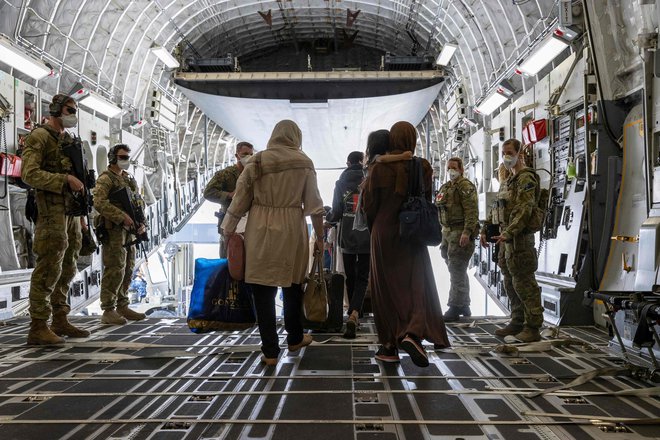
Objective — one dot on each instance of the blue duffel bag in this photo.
(218, 302)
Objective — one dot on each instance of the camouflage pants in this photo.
(57, 242)
(118, 263)
(522, 262)
(517, 312)
(458, 259)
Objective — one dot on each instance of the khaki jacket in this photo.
(278, 187)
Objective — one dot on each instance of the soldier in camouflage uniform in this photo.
(118, 259)
(457, 206)
(516, 201)
(58, 237)
(222, 186)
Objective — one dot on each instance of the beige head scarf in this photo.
(283, 150)
(286, 134)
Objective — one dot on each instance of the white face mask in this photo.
(124, 164)
(69, 121)
(510, 161)
(244, 160)
(454, 174)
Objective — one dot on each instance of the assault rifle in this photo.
(82, 202)
(124, 198)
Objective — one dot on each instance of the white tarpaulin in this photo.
(330, 129)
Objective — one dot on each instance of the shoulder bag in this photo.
(418, 217)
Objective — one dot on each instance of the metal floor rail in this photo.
(156, 380)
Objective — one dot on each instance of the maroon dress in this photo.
(404, 297)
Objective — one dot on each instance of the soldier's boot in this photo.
(510, 329)
(62, 327)
(528, 335)
(129, 314)
(111, 317)
(465, 311)
(40, 334)
(452, 314)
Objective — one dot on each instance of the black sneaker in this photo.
(415, 351)
(387, 354)
(351, 328)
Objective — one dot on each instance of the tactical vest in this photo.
(450, 206)
(502, 209)
(508, 194)
(127, 181)
(53, 160)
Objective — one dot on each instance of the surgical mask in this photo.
(510, 161)
(454, 174)
(124, 164)
(245, 159)
(69, 121)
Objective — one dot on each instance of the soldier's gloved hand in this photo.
(142, 229)
(128, 221)
(74, 183)
(465, 239)
(482, 240)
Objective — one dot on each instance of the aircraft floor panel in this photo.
(156, 380)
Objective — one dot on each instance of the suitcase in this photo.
(335, 285)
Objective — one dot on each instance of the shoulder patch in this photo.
(528, 187)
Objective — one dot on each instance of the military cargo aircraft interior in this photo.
(452, 202)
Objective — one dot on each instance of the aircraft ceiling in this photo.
(106, 43)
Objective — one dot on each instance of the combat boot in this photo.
(129, 314)
(111, 317)
(62, 327)
(40, 334)
(452, 314)
(510, 329)
(528, 335)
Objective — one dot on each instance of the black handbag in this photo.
(418, 217)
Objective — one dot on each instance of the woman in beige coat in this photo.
(278, 187)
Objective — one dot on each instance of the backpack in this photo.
(537, 218)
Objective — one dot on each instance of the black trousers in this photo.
(264, 303)
(356, 267)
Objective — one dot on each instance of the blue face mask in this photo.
(454, 174)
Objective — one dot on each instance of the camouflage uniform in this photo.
(457, 204)
(517, 257)
(217, 191)
(58, 237)
(118, 260)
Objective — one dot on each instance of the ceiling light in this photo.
(165, 56)
(492, 102)
(448, 51)
(19, 60)
(544, 52)
(98, 103)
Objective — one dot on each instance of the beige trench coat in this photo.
(278, 187)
